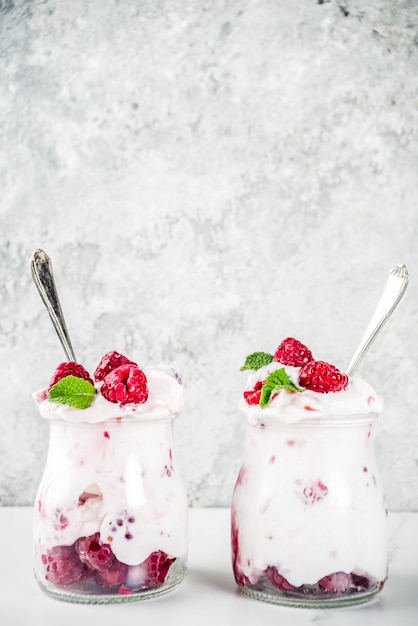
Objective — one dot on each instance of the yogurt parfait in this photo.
(111, 510)
(309, 521)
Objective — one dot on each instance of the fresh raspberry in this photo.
(253, 395)
(157, 566)
(322, 377)
(113, 576)
(151, 572)
(95, 554)
(110, 362)
(125, 384)
(292, 352)
(362, 582)
(62, 566)
(339, 582)
(69, 368)
(278, 580)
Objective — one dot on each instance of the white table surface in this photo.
(208, 595)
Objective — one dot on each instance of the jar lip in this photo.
(355, 419)
(144, 418)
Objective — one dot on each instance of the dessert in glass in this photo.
(308, 516)
(110, 522)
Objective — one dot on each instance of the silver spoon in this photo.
(41, 267)
(394, 289)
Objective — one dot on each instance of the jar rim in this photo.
(144, 418)
(334, 420)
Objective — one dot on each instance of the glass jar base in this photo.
(313, 601)
(78, 595)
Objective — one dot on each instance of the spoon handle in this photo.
(41, 267)
(394, 289)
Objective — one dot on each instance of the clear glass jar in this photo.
(309, 521)
(111, 512)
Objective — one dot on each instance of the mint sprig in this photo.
(73, 391)
(274, 382)
(256, 360)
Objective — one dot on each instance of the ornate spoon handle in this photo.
(44, 280)
(392, 293)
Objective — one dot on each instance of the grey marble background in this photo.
(208, 178)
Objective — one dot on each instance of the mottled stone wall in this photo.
(208, 178)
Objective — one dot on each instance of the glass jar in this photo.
(111, 511)
(309, 521)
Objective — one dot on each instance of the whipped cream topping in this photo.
(358, 398)
(165, 399)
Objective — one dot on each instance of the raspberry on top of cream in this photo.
(291, 386)
(121, 389)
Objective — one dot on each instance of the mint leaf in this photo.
(256, 360)
(274, 382)
(75, 392)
